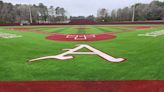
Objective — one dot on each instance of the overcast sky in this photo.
(82, 7)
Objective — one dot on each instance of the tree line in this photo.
(41, 13)
(18, 13)
(140, 11)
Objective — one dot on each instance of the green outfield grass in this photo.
(145, 55)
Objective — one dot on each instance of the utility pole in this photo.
(30, 14)
(133, 16)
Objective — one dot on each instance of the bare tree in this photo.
(60, 14)
(102, 15)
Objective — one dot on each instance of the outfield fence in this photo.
(87, 23)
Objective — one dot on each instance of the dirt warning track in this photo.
(83, 86)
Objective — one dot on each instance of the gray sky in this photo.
(82, 7)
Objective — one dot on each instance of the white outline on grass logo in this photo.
(153, 34)
(67, 55)
(8, 35)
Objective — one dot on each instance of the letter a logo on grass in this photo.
(67, 55)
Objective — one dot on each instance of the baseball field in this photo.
(139, 46)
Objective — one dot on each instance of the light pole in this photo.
(30, 14)
(133, 16)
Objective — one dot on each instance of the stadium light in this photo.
(133, 16)
(30, 14)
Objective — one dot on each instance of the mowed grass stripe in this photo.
(93, 30)
(41, 29)
(69, 30)
(60, 30)
(46, 29)
(104, 30)
(80, 31)
(121, 28)
(54, 29)
(110, 29)
(51, 29)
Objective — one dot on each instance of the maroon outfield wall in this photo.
(141, 22)
(10, 24)
(97, 23)
(80, 22)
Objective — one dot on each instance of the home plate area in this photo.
(81, 37)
